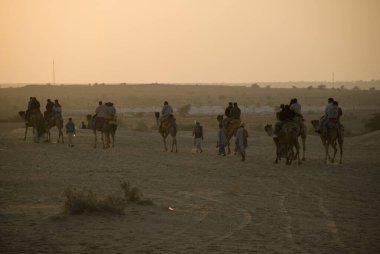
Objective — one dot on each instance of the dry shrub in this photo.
(77, 202)
(133, 194)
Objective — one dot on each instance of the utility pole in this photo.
(53, 72)
(333, 80)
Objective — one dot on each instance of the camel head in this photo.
(22, 114)
(315, 124)
(269, 129)
(220, 118)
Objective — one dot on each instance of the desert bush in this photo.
(133, 194)
(77, 202)
(373, 123)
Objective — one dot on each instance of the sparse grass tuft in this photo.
(133, 194)
(78, 202)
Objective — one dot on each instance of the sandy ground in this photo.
(220, 204)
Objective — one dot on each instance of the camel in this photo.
(110, 130)
(168, 127)
(51, 122)
(286, 140)
(231, 130)
(334, 136)
(104, 129)
(36, 121)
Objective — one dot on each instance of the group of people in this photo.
(232, 113)
(221, 139)
(288, 113)
(53, 111)
(104, 113)
(107, 113)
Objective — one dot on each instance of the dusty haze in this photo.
(188, 41)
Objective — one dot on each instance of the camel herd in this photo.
(287, 140)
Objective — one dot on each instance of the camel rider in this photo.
(284, 116)
(339, 115)
(340, 111)
(101, 116)
(33, 106)
(282, 107)
(296, 107)
(49, 109)
(166, 111)
(235, 112)
(111, 112)
(227, 112)
(57, 109)
(28, 111)
(331, 113)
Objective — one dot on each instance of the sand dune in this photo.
(218, 204)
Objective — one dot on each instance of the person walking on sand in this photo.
(70, 131)
(241, 140)
(221, 140)
(198, 136)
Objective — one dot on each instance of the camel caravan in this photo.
(104, 121)
(290, 126)
(286, 132)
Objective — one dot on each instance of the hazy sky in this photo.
(187, 41)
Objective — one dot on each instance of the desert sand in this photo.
(203, 203)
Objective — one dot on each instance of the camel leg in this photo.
(113, 139)
(335, 150)
(341, 150)
(165, 148)
(327, 155)
(95, 138)
(298, 153)
(26, 131)
(174, 143)
(60, 135)
(303, 147)
(102, 136)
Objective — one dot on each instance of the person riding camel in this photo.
(57, 109)
(227, 112)
(295, 106)
(166, 113)
(235, 112)
(33, 106)
(284, 116)
(49, 109)
(111, 112)
(331, 114)
(28, 111)
(101, 116)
